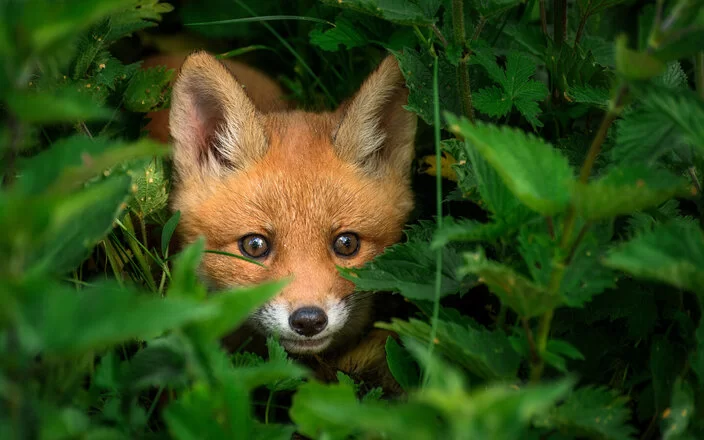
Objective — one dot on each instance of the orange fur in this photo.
(246, 165)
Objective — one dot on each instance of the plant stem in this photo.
(137, 252)
(460, 38)
(155, 402)
(439, 35)
(560, 22)
(268, 406)
(438, 209)
(535, 357)
(543, 18)
(542, 344)
(699, 73)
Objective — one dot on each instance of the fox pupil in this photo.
(254, 246)
(346, 244)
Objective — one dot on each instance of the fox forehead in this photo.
(297, 191)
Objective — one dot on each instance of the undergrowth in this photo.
(555, 264)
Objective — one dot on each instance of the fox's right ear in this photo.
(214, 124)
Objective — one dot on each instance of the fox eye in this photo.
(346, 245)
(254, 246)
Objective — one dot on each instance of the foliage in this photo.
(568, 251)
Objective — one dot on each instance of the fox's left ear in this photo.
(376, 133)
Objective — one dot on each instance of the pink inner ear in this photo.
(204, 120)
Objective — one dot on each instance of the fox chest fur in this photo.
(299, 192)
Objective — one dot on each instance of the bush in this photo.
(572, 147)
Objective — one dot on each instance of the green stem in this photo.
(137, 252)
(268, 406)
(155, 402)
(542, 344)
(699, 73)
(113, 257)
(438, 208)
(560, 22)
(460, 38)
(543, 18)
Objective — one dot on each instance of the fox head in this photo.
(299, 192)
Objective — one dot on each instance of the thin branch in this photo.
(439, 35)
(543, 18)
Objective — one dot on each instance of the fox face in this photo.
(301, 193)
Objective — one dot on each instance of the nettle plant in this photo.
(578, 148)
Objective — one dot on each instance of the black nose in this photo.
(308, 321)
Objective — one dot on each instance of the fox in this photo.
(300, 192)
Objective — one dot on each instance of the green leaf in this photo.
(586, 94)
(517, 89)
(278, 355)
(161, 363)
(594, 412)
(537, 174)
(680, 412)
(468, 231)
(217, 412)
(150, 188)
(333, 411)
(682, 107)
(78, 222)
(697, 358)
(671, 253)
(521, 294)
(72, 161)
(474, 172)
(626, 189)
(69, 322)
(234, 307)
(409, 12)
(344, 33)
(636, 65)
(168, 231)
(417, 69)
(64, 105)
(148, 89)
(136, 15)
(401, 365)
(487, 354)
(409, 268)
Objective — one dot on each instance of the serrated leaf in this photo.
(417, 69)
(626, 189)
(148, 89)
(487, 354)
(683, 107)
(594, 412)
(586, 94)
(537, 174)
(64, 105)
(278, 355)
(136, 15)
(401, 365)
(344, 33)
(409, 12)
(491, 101)
(150, 188)
(517, 89)
(409, 268)
(468, 231)
(671, 253)
(516, 291)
